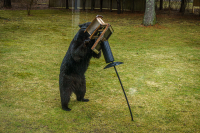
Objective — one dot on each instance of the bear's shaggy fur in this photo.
(74, 66)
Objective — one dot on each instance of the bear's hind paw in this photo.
(66, 108)
(85, 100)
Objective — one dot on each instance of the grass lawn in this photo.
(160, 74)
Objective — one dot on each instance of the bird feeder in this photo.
(100, 31)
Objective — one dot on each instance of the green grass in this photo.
(160, 74)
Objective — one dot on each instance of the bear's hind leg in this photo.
(65, 98)
(80, 97)
(80, 92)
(65, 106)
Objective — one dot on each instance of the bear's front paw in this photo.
(86, 41)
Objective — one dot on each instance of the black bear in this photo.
(74, 66)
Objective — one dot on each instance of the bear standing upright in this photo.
(74, 66)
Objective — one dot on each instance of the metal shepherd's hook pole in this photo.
(124, 93)
(110, 59)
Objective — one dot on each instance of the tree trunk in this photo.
(92, 4)
(123, 4)
(161, 4)
(7, 3)
(67, 5)
(169, 6)
(133, 6)
(84, 1)
(29, 5)
(110, 5)
(150, 14)
(183, 6)
(75, 5)
(101, 5)
(118, 6)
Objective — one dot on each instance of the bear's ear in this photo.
(85, 25)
